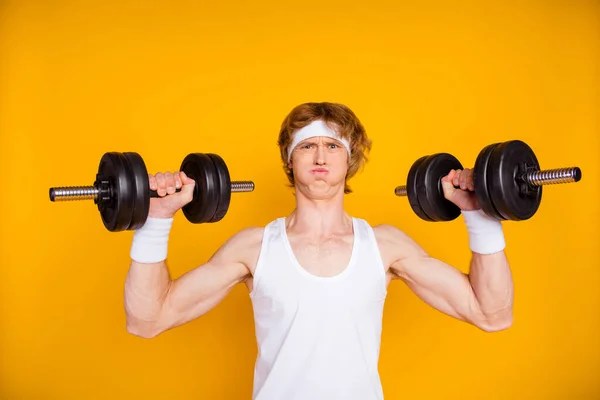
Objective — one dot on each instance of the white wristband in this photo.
(150, 241)
(485, 233)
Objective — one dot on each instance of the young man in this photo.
(317, 278)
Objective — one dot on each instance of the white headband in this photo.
(315, 128)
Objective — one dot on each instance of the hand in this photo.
(169, 201)
(464, 197)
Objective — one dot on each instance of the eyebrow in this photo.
(327, 141)
(305, 142)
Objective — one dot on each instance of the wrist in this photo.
(485, 233)
(150, 242)
(161, 215)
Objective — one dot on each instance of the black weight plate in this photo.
(141, 187)
(203, 206)
(481, 180)
(128, 190)
(505, 164)
(411, 189)
(117, 212)
(224, 193)
(429, 187)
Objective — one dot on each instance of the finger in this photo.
(448, 188)
(170, 182)
(471, 180)
(463, 179)
(177, 178)
(188, 188)
(456, 179)
(161, 184)
(185, 179)
(152, 182)
(448, 178)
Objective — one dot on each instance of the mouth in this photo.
(319, 171)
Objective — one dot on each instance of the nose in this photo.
(320, 155)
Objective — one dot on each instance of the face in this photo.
(320, 165)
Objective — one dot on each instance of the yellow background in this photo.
(164, 79)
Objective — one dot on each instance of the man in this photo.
(317, 278)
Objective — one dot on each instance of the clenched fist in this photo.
(169, 202)
(459, 188)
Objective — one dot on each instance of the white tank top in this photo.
(318, 337)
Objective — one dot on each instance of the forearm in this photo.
(146, 289)
(148, 280)
(491, 279)
(490, 275)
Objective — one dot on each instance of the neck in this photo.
(319, 216)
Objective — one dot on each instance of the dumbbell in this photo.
(122, 191)
(507, 177)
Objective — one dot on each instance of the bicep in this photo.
(440, 285)
(200, 290)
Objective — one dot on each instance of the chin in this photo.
(320, 189)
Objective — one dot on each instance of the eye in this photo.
(333, 146)
(307, 146)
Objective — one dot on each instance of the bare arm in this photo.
(154, 303)
(483, 297)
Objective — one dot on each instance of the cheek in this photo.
(342, 161)
(301, 160)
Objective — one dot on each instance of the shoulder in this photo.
(395, 246)
(388, 233)
(241, 248)
(247, 242)
(246, 238)
(249, 233)
(395, 240)
(252, 236)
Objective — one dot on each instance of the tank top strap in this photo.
(271, 241)
(369, 253)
